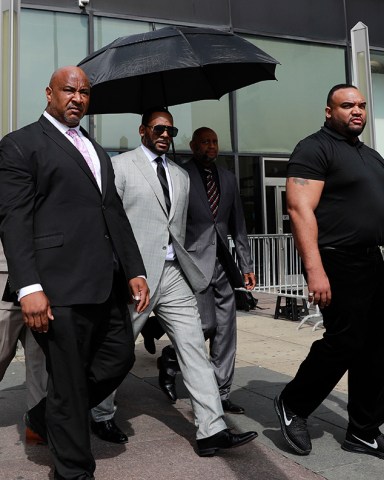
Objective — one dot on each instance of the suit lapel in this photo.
(197, 186)
(223, 188)
(149, 176)
(54, 134)
(174, 174)
(103, 164)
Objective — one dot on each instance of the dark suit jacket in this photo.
(203, 235)
(57, 228)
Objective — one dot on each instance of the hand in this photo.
(140, 293)
(249, 280)
(319, 289)
(36, 311)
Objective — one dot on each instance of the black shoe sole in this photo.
(210, 452)
(207, 452)
(234, 412)
(297, 449)
(358, 448)
(110, 440)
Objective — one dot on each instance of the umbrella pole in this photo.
(173, 151)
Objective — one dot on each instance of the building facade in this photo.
(258, 126)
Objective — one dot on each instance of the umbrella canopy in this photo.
(171, 66)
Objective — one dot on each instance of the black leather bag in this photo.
(245, 301)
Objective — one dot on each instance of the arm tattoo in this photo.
(300, 181)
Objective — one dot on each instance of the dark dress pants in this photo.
(89, 350)
(353, 342)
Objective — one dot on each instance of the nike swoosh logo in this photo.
(372, 445)
(286, 421)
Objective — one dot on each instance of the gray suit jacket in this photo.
(203, 234)
(3, 262)
(143, 201)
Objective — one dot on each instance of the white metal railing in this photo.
(276, 264)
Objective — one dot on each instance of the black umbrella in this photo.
(171, 66)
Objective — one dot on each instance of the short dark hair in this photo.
(339, 86)
(198, 131)
(147, 114)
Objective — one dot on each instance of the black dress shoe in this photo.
(38, 431)
(166, 381)
(34, 420)
(207, 447)
(168, 368)
(151, 330)
(149, 344)
(230, 407)
(108, 430)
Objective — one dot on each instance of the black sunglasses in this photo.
(160, 129)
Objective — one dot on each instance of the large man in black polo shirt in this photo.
(335, 197)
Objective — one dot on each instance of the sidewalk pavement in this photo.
(162, 436)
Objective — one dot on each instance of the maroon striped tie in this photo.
(212, 192)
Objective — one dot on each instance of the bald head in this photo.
(68, 95)
(204, 145)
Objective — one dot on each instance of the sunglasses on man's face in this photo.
(160, 129)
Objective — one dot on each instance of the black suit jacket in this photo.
(57, 228)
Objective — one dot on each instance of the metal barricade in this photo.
(278, 270)
(276, 264)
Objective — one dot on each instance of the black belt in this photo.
(353, 250)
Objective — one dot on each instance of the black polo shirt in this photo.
(351, 207)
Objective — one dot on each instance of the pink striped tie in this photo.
(80, 145)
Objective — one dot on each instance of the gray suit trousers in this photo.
(217, 309)
(12, 329)
(175, 305)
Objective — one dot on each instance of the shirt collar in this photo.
(201, 168)
(151, 156)
(333, 133)
(60, 126)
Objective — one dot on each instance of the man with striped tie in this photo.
(214, 212)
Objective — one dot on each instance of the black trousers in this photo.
(353, 341)
(89, 351)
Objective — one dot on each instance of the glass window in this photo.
(275, 168)
(108, 29)
(121, 131)
(48, 40)
(274, 115)
(206, 113)
(250, 193)
(377, 70)
(117, 131)
(225, 161)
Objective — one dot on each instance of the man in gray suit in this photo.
(154, 191)
(214, 212)
(12, 330)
